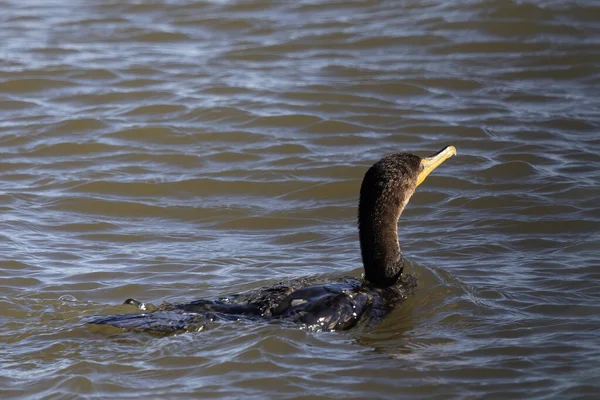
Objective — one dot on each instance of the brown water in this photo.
(174, 150)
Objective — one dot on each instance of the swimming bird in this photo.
(316, 303)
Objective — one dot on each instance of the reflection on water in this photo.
(178, 150)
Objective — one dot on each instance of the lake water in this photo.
(175, 150)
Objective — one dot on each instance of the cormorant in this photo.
(318, 304)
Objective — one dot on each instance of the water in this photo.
(176, 150)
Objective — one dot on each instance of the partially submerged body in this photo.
(314, 304)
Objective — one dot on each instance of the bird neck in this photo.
(381, 255)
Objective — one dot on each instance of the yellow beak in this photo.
(430, 163)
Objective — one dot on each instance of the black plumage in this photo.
(316, 303)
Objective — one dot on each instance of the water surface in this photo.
(173, 150)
